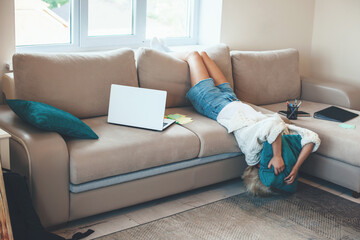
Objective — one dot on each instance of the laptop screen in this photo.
(137, 107)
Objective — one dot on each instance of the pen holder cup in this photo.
(292, 113)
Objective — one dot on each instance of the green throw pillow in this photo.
(49, 118)
(290, 150)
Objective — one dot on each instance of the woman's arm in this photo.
(304, 153)
(277, 161)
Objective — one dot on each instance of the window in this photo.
(56, 25)
(118, 20)
(42, 22)
(165, 20)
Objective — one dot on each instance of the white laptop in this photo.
(138, 107)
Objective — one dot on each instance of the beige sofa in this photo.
(72, 178)
(257, 73)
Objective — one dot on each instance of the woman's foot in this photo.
(159, 45)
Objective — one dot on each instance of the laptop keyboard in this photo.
(164, 124)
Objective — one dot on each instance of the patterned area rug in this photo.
(309, 214)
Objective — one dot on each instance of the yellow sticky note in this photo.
(174, 116)
(184, 120)
(179, 118)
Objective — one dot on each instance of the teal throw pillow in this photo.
(290, 149)
(49, 118)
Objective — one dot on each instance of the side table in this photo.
(5, 224)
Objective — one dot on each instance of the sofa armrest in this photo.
(8, 85)
(330, 93)
(43, 157)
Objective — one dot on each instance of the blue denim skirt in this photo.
(209, 99)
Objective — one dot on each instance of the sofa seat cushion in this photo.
(122, 149)
(214, 138)
(336, 142)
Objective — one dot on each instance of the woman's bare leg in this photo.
(213, 70)
(197, 68)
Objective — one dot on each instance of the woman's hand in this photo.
(278, 164)
(291, 177)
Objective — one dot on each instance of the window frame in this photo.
(80, 41)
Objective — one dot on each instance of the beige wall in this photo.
(326, 32)
(7, 34)
(269, 24)
(336, 41)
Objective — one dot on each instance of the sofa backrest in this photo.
(78, 83)
(162, 71)
(266, 77)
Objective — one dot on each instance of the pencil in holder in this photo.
(292, 112)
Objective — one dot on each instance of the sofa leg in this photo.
(356, 194)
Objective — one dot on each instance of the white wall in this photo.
(210, 21)
(326, 32)
(336, 41)
(269, 24)
(7, 34)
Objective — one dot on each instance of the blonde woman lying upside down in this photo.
(212, 96)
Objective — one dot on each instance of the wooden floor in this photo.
(118, 220)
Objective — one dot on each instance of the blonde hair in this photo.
(253, 183)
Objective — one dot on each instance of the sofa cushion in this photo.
(159, 70)
(336, 142)
(290, 150)
(49, 118)
(266, 77)
(122, 149)
(78, 83)
(214, 138)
